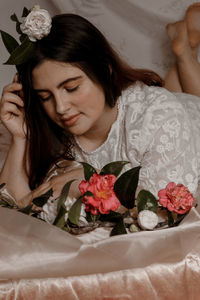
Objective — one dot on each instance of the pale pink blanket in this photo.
(39, 261)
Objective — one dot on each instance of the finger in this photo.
(43, 188)
(12, 98)
(15, 79)
(12, 87)
(10, 110)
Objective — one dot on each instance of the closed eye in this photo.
(44, 98)
(70, 90)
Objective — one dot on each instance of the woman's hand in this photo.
(57, 183)
(12, 109)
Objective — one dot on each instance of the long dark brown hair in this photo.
(74, 40)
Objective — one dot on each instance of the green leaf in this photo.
(180, 217)
(113, 168)
(88, 194)
(8, 202)
(41, 200)
(25, 12)
(75, 211)
(88, 170)
(146, 200)
(14, 18)
(60, 218)
(119, 228)
(170, 219)
(66, 228)
(10, 42)
(92, 218)
(18, 23)
(125, 187)
(113, 216)
(22, 53)
(64, 194)
(18, 29)
(22, 37)
(3, 203)
(2, 185)
(26, 210)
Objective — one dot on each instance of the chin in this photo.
(76, 131)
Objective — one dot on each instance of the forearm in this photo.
(13, 173)
(189, 73)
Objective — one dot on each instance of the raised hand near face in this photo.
(12, 109)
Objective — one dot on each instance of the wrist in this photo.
(18, 143)
(18, 140)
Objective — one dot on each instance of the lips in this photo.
(71, 120)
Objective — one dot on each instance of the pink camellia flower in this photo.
(176, 197)
(104, 199)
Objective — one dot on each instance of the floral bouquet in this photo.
(108, 200)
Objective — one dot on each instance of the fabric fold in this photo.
(30, 248)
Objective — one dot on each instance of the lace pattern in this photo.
(155, 129)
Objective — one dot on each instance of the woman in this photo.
(76, 100)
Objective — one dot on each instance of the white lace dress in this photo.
(158, 130)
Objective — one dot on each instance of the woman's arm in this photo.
(13, 173)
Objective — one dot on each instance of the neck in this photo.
(99, 133)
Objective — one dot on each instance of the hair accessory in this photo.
(36, 24)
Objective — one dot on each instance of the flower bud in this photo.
(147, 219)
(133, 228)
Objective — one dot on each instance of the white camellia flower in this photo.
(37, 24)
(147, 219)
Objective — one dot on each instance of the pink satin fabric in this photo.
(39, 261)
(177, 281)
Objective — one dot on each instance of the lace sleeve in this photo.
(171, 153)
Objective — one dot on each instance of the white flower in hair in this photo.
(37, 24)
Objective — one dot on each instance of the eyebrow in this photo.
(61, 83)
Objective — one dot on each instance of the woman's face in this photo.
(69, 97)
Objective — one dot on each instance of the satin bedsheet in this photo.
(40, 261)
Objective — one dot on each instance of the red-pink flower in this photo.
(176, 197)
(104, 199)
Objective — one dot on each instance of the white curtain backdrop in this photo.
(136, 28)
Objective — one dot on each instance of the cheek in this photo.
(94, 98)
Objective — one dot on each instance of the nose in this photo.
(62, 104)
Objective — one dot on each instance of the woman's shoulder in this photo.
(147, 95)
(141, 99)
